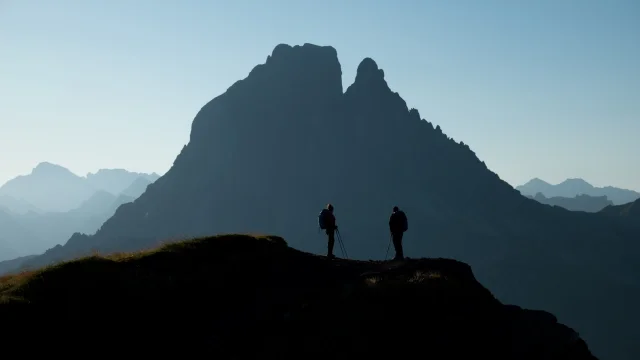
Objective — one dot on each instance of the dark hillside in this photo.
(246, 296)
(630, 211)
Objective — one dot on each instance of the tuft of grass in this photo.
(9, 281)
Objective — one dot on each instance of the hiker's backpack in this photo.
(322, 219)
(403, 221)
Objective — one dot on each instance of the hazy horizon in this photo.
(544, 90)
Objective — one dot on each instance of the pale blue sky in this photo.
(545, 88)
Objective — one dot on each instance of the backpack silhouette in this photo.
(404, 222)
(323, 219)
(400, 220)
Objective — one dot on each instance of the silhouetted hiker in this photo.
(398, 224)
(327, 222)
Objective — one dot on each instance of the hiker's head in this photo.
(330, 207)
(395, 208)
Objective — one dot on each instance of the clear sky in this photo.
(545, 88)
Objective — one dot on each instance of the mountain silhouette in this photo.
(102, 202)
(277, 146)
(116, 181)
(19, 206)
(573, 187)
(261, 299)
(578, 203)
(49, 187)
(53, 188)
(137, 187)
(34, 232)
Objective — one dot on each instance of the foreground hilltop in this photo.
(256, 296)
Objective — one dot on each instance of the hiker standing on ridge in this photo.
(398, 224)
(327, 222)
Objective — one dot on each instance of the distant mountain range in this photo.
(53, 188)
(578, 203)
(573, 187)
(28, 226)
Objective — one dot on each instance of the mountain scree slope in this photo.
(270, 152)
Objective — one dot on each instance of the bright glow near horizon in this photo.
(547, 89)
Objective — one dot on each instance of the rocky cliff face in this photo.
(271, 151)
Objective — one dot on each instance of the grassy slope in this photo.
(249, 295)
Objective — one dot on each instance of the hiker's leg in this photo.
(400, 252)
(330, 234)
(394, 236)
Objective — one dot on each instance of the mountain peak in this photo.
(576, 181)
(537, 181)
(369, 72)
(47, 167)
(295, 70)
(108, 171)
(281, 50)
(286, 51)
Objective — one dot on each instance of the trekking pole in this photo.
(388, 247)
(340, 243)
(344, 250)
